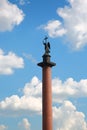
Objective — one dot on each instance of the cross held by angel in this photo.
(47, 45)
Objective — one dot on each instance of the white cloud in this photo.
(16, 106)
(73, 25)
(66, 117)
(10, 15)
(9, 62)
(69, 88)
(24, 124)
(34, 88)
(61, 90)
(31, 102)
(3, 127)
(30, 58)
(54, 28)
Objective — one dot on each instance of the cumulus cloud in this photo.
(69, 88)
(54, 28)
(61, 90)
(66, 117)
(10, 15)
(3, 127)
(31, 102)
(17, 106)
(33, 88)
(73, 25)
(24, 124)
(9, 62)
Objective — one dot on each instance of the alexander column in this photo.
(46, 65)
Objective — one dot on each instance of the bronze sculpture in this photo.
(47, 45)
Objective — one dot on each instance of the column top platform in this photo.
(46, 61)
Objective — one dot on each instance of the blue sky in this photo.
(23, 26)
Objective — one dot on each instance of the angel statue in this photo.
(47, 45)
